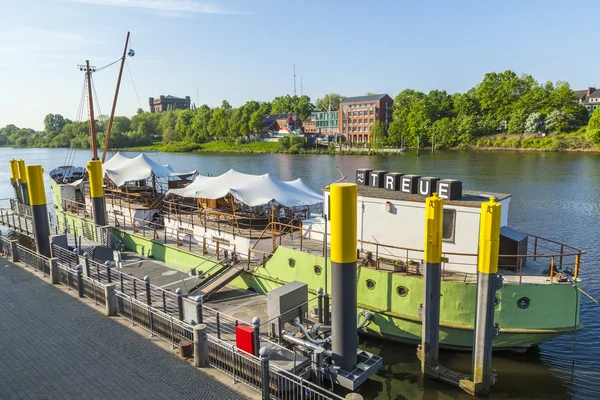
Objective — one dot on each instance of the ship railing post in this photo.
(562, 250)
(535, 246)
(520, 270)
(326, 312)
(377, 256)
(576, 267)
(320, 305)
(552, 270)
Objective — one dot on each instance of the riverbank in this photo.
(568, 142)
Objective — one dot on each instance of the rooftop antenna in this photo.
(294, 79)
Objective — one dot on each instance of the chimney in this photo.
(590, 91)
(151, 104)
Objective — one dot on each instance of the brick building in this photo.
(165, 103)
(357, 115)
(589, 98)
(309, 124)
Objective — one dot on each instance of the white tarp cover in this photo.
(252, 190)
(121, 169)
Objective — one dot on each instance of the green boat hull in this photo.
(395, 298)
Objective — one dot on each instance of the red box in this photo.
(244, 338)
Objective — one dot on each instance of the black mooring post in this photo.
(108, 274)
(80, 280)
(199, 316)
(148, 297)
(256, 326)
(179, 293)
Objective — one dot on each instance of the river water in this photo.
(555, 195)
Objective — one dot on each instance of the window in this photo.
(448, 225)
(360, 121)
(371, 120)
(371, 112)
(360, 128)
(354, 114)
(366, 129)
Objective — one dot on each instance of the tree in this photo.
(377, 135)
(535, 123)
(329, 101)
(139, 111)
(557, 121)
(593, 128)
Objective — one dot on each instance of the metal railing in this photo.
(35, 260)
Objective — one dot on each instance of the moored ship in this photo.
(270, 234)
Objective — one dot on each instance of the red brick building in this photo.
(357, 115)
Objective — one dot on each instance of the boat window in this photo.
(448, 225)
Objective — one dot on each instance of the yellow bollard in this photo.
(342, 206)
(97, 191)
(432, 281)
(37, 199)
(23, 181)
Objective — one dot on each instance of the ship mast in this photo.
(92, 123)
(114, 106)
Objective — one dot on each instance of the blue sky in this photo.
(243, 50)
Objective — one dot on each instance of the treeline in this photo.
(501, 103)
(199, 125)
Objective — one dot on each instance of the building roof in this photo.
(580, 93)
(363, 98)
(595, 94)
(275, 117)
(175, 98)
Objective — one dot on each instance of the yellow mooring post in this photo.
(14, 178)
(37, 200)
(488, 281)
(97, 191)
(342, 202)
(22, 181)
(432, 277)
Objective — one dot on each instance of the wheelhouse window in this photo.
(448, 225)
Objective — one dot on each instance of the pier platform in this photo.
(54, 347)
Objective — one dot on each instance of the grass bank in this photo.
(575, 142)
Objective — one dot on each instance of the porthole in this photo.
(523, 303)
(292, 262)
(318, 269)
(370, 284)
(402, 291)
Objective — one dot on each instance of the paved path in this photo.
(53, 346)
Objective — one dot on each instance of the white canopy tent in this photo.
(252, 190)
(121, 169)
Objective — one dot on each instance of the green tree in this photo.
(330, 100)
(535, 123)
(377, 135)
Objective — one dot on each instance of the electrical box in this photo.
(244, 339)
(512, 244)
(287, 302)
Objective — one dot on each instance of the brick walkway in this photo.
(52, 346)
